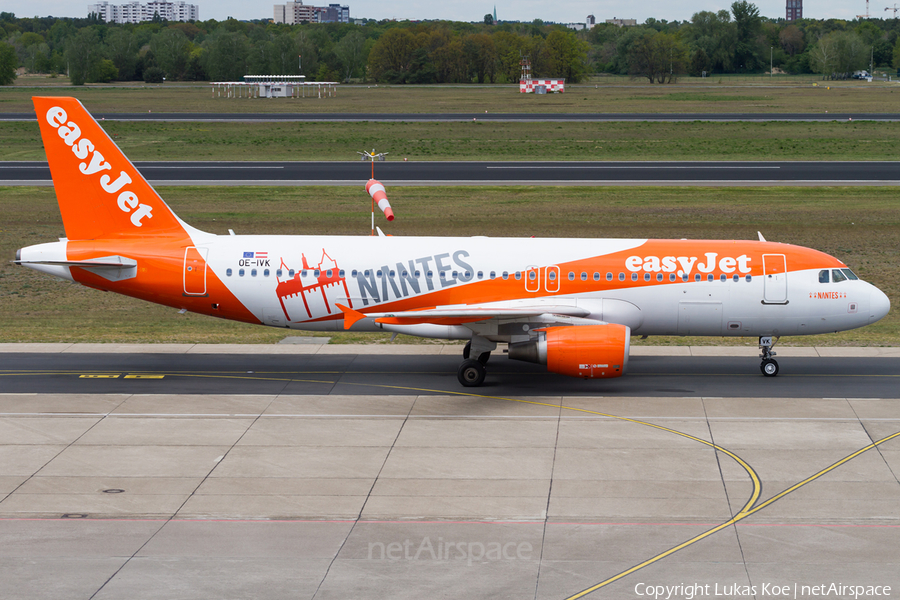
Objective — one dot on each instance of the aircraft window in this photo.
(621, 276)
(659, 276)
(518, 275)
(505, 275)
(418, 274)
(279, 273)
(266, 273)
(316, 273)
(467, 275)
(367, 273)
(552, 275)
(571, 276)
(685, 276)
(378, 274)
(531, 275)
(634, 277)
(837, 276)
(228, 272)
(723, 277)
(850, 274)
(748, 278)
(583, 276)
(393, 273)
(736, 278)
(480, 274)
(329, 273)
(671, 276)
(646, 276)
(493, 275)
(341, 273)
(291, 273)
(252, 272)
(709, 277)
(241, 273)
(697, 277)
(303, 273)
(353, 273)
(823, 276)
(441, 274)
(455, 274)
(429, 274)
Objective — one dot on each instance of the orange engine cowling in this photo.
(589, 351)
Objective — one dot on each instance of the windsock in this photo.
(376, 190)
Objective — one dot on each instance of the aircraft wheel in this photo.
(471, 373)
(467, 350)
(769, 367)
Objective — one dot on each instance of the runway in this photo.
(332, 472)
(492, 173)
(493, 117)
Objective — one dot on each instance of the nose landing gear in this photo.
(768, 366)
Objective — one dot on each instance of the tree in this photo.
(658, 57)
(351, 52)
(838, 54)
(392, 52)
(791, 39)
(489, 19)
(83, 55)
(171, 47)
(8, 64)
(121, 48)
(748, 26)
(566, 55)
(226, 56)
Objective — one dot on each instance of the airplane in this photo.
(570, 304)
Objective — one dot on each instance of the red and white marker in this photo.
(376, 190)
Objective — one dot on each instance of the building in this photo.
(794, 10)
(624, 22)
(296, 12)
(137, 12)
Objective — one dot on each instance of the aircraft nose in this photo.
(879, 305)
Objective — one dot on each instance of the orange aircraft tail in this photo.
(101, 194)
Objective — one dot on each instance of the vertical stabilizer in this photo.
(101, 194)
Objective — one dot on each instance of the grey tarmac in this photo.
(442, 491)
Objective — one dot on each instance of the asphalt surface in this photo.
(352, 374)
(451, 117)
(489, 172)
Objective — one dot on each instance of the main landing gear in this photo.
(472, 370)
(768, 366)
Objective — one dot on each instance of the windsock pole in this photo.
(377, 188)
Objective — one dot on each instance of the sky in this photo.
(571, 11)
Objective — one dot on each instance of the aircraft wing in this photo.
(468, 314)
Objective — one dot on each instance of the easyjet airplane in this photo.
(572, 304)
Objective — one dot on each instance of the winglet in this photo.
(761, 238)
(350, 316)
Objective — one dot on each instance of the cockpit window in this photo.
(850, 274)
(823, 276)
(837, 276)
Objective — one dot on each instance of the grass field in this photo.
(757, 94)
(858, 225)
(857, 140)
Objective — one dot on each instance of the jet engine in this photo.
(588, 351)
